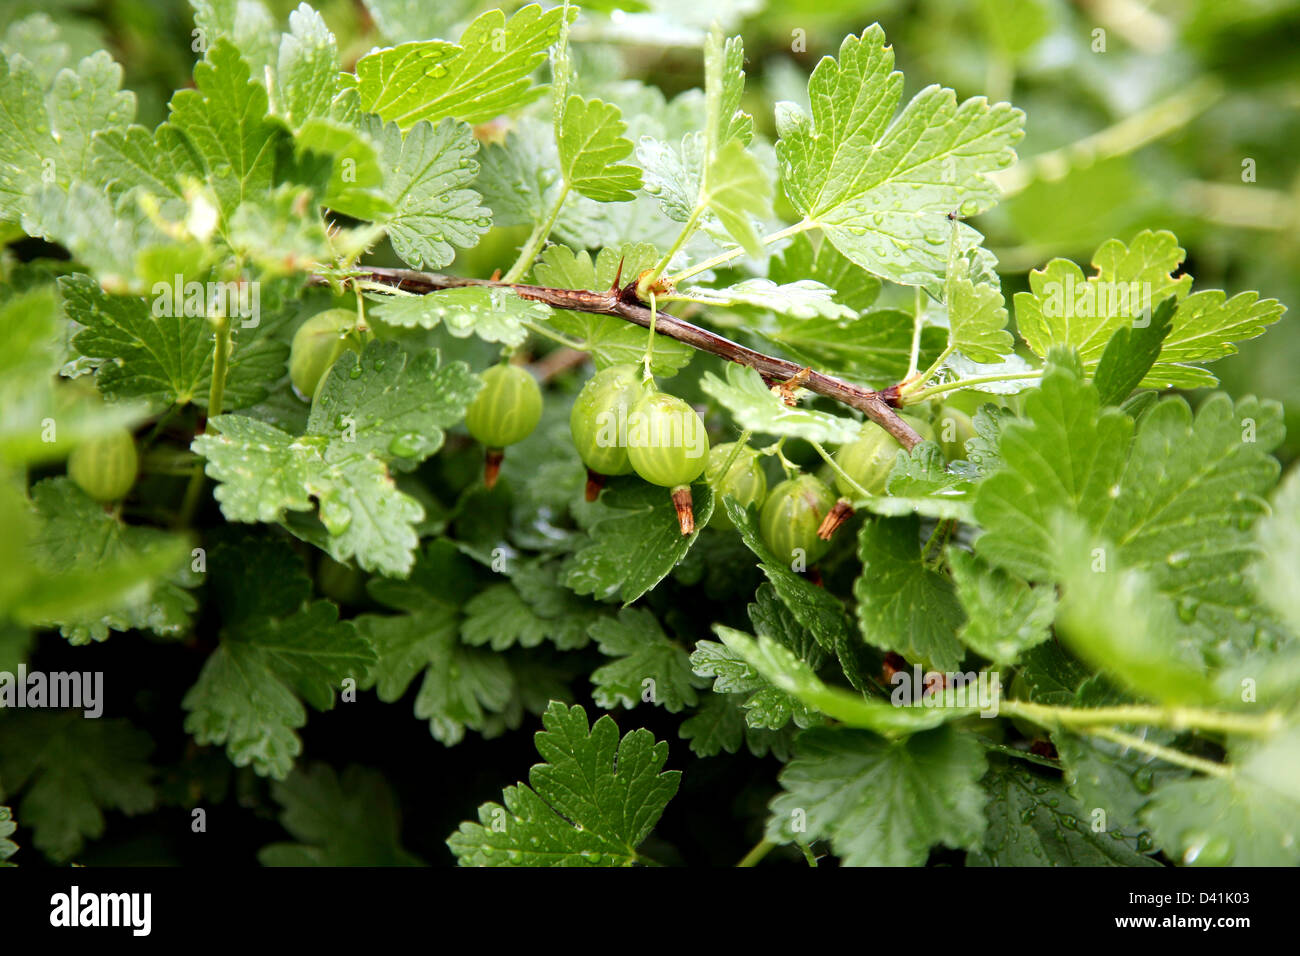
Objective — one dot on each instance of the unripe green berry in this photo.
(600, 417)
(955, 429)
(745, 480)
(791, 515)
(869, 458)
(317, 345)
(507, 407)
(105, 467)
(667, 443)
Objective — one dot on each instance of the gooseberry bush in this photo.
(719, 427)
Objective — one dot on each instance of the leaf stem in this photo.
(739, 444)
(837, 469)
(220, 365)
(535, 241)
(1167, 754)
(1175, 718)
(929, 373)
(968, 382)
(942, 529)
(723, 258)
(790, 468)
(647, 375)
(688, 230)
(556, 336)
(760, 849)
(915, 358)
(920, 380)
(216, 395)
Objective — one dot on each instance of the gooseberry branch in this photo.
(623, 303)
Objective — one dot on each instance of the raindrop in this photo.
(1143, 779)
(1207, 849)
(335, 518)
(405, 446)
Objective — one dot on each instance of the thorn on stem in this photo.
(786, 390)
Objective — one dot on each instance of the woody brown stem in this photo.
(841, 513)
(624, 304)
(685, 508)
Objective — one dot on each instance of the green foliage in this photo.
(1065, 307)
(903, 605)
(1033, 821)
(754, 407)
(879, 802)
(350, 820)
(474, 81)
(98, 574)
(1244, 818)
(165, 360)
(359, 426)
(464, 687)
(592, 803)
(69, 771)
(635, 540)
(647, 666)
(432, 208)
(1113, 564)
(7, 827)
(278, 651)
(591, 144)
(879, 186)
